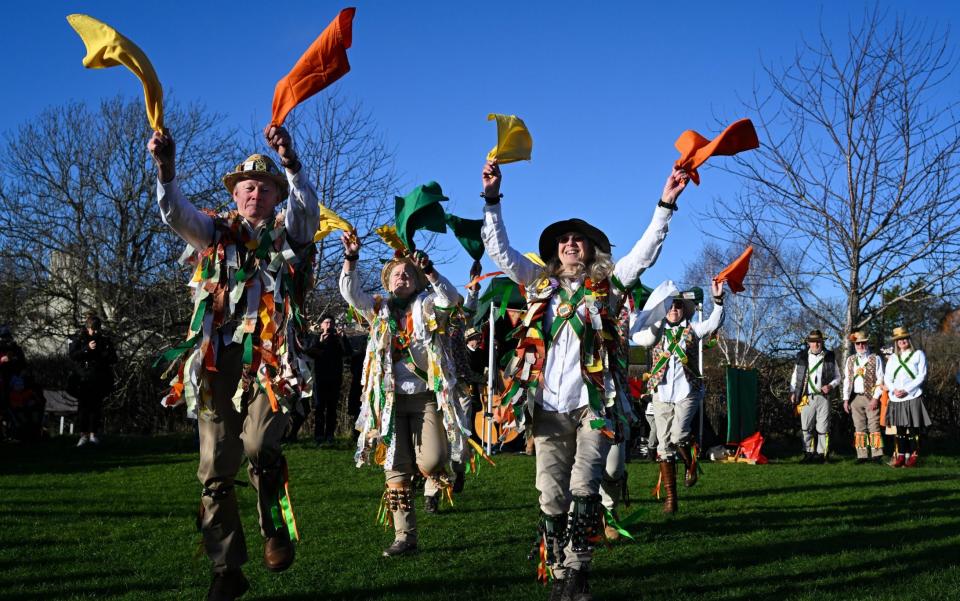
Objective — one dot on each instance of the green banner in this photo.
(741, 403)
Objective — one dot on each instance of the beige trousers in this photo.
(226, 437)
(866, 421)
(421, 446)
(571, 457)
(674, 423)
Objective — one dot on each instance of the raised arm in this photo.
(518, 268)
(645, 252)
(705, 328)
(350, 280)
(302, 215)
(194, 227)
(446, 295)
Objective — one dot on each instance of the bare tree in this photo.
(80, 230)
(353, 171)
(855, 188)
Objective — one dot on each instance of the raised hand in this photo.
(351, 244)
(491, 179)
(164, 152)
(676, 182)
(278, 138)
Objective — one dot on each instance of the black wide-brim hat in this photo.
(548, 239)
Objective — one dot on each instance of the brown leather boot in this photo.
(668, 482)
(278, 551)
(690, 474)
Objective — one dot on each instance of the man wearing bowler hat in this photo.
(815, 376)
(241, 371)
(862, 386)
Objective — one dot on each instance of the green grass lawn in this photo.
(117, 522)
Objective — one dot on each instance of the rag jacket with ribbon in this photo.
(391, 335)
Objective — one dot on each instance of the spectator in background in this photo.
(904, 377)
(815, 376)
(93, 352)
(12, 362)
(21, 400)
(327, 351)
(358, 346)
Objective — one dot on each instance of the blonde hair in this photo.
(418, 276)
(598, 267)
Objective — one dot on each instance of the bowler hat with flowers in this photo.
(257, 166)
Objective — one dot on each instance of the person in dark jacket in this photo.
(815, 376)
(327, 351)
(93, 352)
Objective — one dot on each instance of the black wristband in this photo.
(718, 300)
(672, 207)
(428, 268)
(352, 257)
(293, 165)
(491, 200)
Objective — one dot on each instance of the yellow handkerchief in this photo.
(513, 139)
(330, 221)
(107, 48)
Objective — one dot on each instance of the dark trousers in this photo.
(90, 412)
(327, 394)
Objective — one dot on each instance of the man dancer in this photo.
(244, 373)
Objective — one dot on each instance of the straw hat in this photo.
(859, 336)
(419, 278)
(814, 336)
(257, 166)
(900, 333)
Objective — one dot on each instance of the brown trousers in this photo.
(421, 446)
(226, 436)
(866, 422)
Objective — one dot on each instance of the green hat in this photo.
(420, 210)
(467, 232)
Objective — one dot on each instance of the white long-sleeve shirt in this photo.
(816, 376)
(862, 361)
(563, 389)
(674, 386)
(301, 216)
(897, 377)
(445, 295)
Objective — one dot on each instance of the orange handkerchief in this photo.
(734, 273)
(695, 149)
(324, 62)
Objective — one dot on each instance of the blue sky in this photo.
(604, 88)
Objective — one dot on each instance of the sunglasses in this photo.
(570, 238)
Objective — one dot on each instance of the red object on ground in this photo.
(750, 448)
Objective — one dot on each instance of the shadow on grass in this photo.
(61, 456)
(878, 521)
